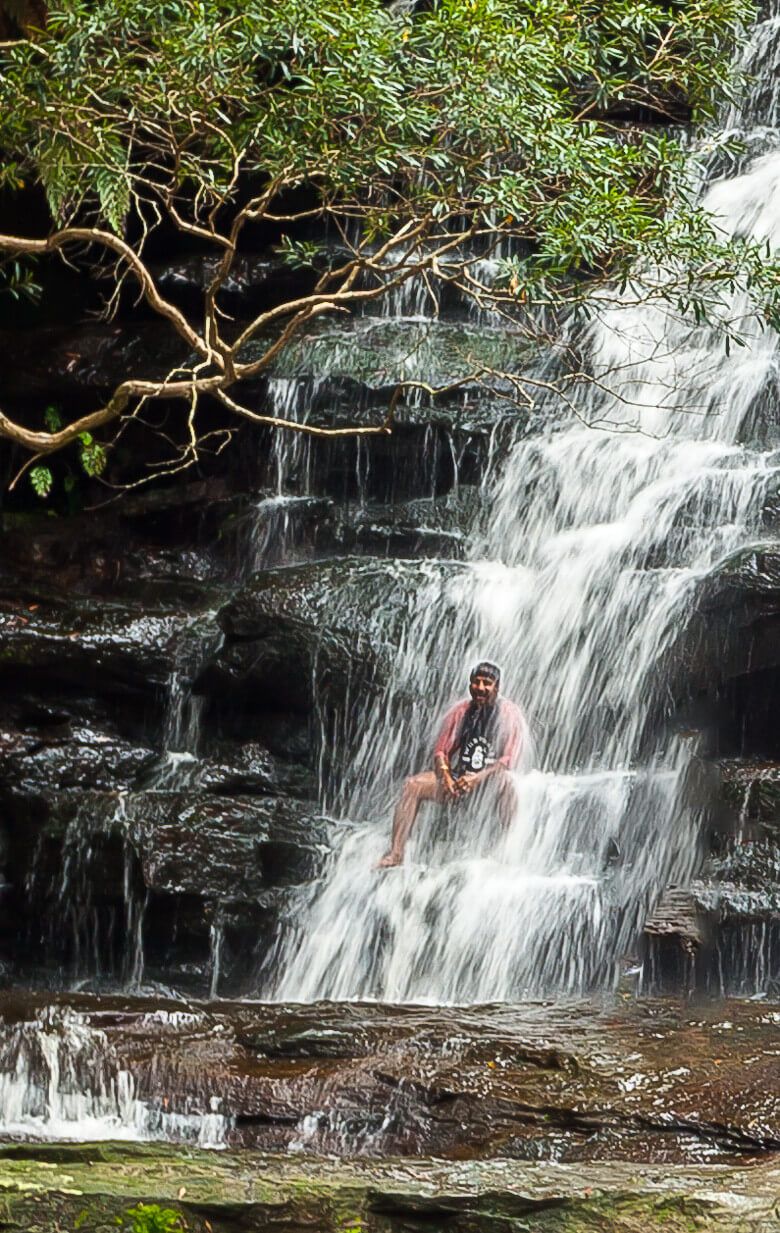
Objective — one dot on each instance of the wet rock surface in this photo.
(82, 867)
(337, 620)
(733, 631)
(653, 1082)
(127, 803)
(429, 527)
(721, 931)
(93, 646)
(63, 361)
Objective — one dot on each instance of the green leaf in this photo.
(113, 189)
(92, 455)
(42, 480)
(52, 419)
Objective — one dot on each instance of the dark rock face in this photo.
(158, 750)
(722, 932)
(431, 527)
(336, 620)
(67, 755)
(102, 648)
(78, 863)
(734, 630)
(63, 362)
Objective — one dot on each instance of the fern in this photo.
(111, 181)
(57, 174)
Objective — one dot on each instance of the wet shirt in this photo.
(473, 738)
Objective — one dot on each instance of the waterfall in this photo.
(60, 1078)
(600, 531)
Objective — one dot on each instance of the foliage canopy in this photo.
(425, 135)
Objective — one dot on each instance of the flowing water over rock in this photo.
(601, 534)
(194, 727)
(60, 1078)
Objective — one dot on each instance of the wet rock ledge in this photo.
(91, 1187)
(648, 1083)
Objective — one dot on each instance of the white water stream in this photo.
(600, 533)
(61, 1079)
(599, 536)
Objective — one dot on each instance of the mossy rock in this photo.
(231, 1192)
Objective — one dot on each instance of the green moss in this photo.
(88, 1188)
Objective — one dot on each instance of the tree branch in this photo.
(93, 235)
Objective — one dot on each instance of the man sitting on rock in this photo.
(481, 740)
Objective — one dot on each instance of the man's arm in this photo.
(442, 750)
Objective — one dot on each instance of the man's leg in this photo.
(418, 788)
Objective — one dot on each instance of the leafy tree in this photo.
(425, 136)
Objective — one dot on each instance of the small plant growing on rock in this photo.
(151, 1218)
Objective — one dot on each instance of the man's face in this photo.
(483, 690)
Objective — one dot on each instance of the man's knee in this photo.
(421, 785)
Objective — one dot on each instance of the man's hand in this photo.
(447, 782)
(450, 785)
(468, 782)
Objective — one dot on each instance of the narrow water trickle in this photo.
(600, 531)
(183, 715)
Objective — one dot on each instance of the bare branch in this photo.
(311, 430)
(93, 235)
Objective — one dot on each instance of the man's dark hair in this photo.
(485, 668)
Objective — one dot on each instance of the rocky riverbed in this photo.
(616, 1116)
(647, 1081)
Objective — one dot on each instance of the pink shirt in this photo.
(512, 731)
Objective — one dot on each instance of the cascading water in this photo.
(600, 532)
(60, 1079)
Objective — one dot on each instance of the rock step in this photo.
(650, 1082)
(93, 1187)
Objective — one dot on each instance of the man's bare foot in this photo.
(390, 860)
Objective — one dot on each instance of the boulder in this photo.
(63, 640)
(750, 788)
(722, 930)
(724, 664)
(374, 354)
(215, 847)
(70, 756)
(338, 620)
(252, 769)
